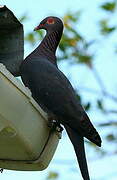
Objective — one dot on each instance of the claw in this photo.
(59, 128)
(53, 123)
(1, 170)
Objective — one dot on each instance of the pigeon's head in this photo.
(50, 24)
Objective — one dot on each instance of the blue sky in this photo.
(37, 10)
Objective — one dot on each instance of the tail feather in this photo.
(78, 143)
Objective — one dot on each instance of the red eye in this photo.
(50, 21)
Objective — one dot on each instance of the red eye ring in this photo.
(50, 21)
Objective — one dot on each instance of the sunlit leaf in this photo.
(30, 38)
(74, 17)
(109, 6)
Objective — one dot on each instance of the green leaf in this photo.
(110, 137)
(108, 30)
(76, 35)
(105, 28)
(23, 18)
(85, 59)
(30, 38)
(87, 106)
(40, 34)
(100, 104)
(78, 97)
(73, 17)
(52, 175)
(109, 6)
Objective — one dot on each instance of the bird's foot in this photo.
(1, 170)
(59, 128)
(53, 123)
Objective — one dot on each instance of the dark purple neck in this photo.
(47, 48)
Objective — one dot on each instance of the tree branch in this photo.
(102, 85)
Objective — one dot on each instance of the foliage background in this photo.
(87, 55)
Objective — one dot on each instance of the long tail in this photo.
(78, 143)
